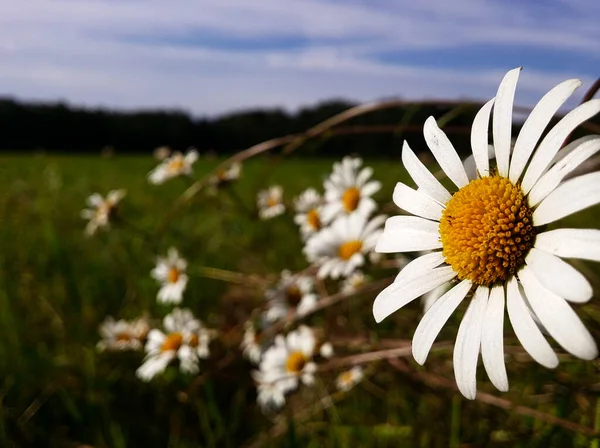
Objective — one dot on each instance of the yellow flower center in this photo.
(346, 377)
(293, 295)
(172, 342)
(312, 217)
(173, 275)
(296, 362)
(350, 199)
(123, 337)
(175, 165)
(272, 201)
(349, 248)
(486, 230)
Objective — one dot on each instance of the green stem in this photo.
(455, 422)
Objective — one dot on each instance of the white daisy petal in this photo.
(554, 139)
(492, 345)
(558, 317)
(435, 318)
(568, 149)
(480, 140)
(535, 124)
(423, 263)
(423, 177)
(468, 340)
(416, 202)
(444, 153)
(571, 243)
(408, 233)
(528, 333)
(502, 119)
(549, 181)
(559, 276)
(572, 196)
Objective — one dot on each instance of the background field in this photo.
(56, 287)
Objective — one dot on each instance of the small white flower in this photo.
(293, 294)
(348, 190)
(289, 360)
(170, 272)
(270, 202)
(227, 175)
(354, 282)
(341, 248)
(176, 165)
(308, 212)
(326, 350)
(251, 348)
(101, 210)
(122, 334)
(270, 395)
(350, 378)
(185, 339)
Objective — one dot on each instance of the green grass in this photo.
(56, 287)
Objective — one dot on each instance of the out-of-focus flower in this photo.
(491, 236)
(227, 175)
(170, 272)
(176, 165)
(348, 190)
(350, 378)
(185, 339)
(293, 294)
(251, 347)
(270, 394)
(354, 282)
(308, 212)
(326, 350)
(123, 335)
(101, 210)
(270, 202)
(341, 248)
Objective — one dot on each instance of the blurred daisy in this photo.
(227, 175)
(185, 339)
(341, 248)
(176, 165)
(348, 190)
(350, 378)
(490, 237)
(270, 394)
(123, 335)
(289, 360)
(101, 210)
(170, 272)
(294, 294)
(270, 202)
(251, 347)
(308, 212)
(354, 282)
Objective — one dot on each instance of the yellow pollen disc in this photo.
(295, 362)
(346, 377)
(172, 342)
(175, 165)
(293, 295)
(272, 201)
(351, 198)
(124, 337)
(486, 230)
(349, 248)
(312, 217)
(173, 275)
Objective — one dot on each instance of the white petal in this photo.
(554, 139)
(416, 202)
(423, 177)
(572, 196)
(470, 167)
(408, 233)
(435, 318)
(480, 139)
(528, 333)
(422, 263)
(406, 289)
(566, 150)
(559, 276)
(468, 340)
(571, 243)
(444, 153)
(502, 121)
(535, 124)
(558, 317)
(492, 345)
(564, 166)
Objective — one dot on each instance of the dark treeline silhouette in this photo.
(63, 128)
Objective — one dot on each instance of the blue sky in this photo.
(213, 56)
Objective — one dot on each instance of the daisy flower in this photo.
(341, 248)
(176, 165)
(354, 282)
(270, 202)
(185, 339)
(293, 294)
(123, 335)
(348, 190)
(227, 175)
(489, 237)
(170, 272)
(289, 360)
(101, 210)
(308, 212)
(350, 378)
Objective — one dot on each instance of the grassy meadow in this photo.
(57, 286)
